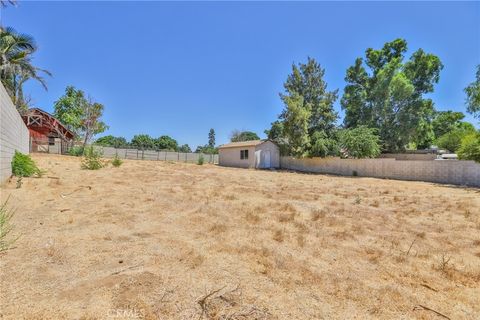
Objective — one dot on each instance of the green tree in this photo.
(446, 121)
(16, 68)
(111, 141)
(390, 95)
(306, 81)
(360, 142)
(211, 138)
(184, 148)
(453, 139)
(237, 136)
(143, 141)
(91, 123)
(206, 149)
(275, 133)
(69, 109)
(295, 124)
(79, 114)
(470, 147)
(166, 143)
(473, 95)
(308, 114)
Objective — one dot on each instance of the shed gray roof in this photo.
(250, 143)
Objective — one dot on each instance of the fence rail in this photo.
(56, 146)
(158, 155)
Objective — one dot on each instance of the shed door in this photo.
(267, 159)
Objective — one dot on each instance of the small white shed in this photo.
(259, 154)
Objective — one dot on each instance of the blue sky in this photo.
(181, 68)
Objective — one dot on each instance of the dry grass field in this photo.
(160, 240)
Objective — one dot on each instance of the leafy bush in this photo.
(453, 139)
(116, 162)
(5, 227)
(76, 151)
(360, 142)
(470, 147)
(91, 159)
(200, 160)
(322, 146)
(24, 166)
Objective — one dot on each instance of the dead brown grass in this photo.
(160, 240)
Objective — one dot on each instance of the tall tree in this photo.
(237, 136)
(166, 143)
(308, 118)
(211, 138)
(143, 141)
(79, 114)
(16, 66)
(296, 118)
(111, 141)
(386, 93)
(306, 81)
(70, 107)
(91, 122)
(446, 121)
(473, 95)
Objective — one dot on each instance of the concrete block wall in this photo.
(13, 134)
(438, 171)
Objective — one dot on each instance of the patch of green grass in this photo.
(24, 166)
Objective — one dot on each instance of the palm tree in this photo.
(16, 66)
(5, 3)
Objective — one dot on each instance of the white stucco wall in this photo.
(13, 134)
(230, 157)
(261, 149)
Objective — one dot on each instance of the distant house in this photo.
(47, 133)
(260, 154)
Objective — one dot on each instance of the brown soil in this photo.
(160, 240)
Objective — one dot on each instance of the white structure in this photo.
(260, 154)
(13, 134)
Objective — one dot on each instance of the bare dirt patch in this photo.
(160, 240)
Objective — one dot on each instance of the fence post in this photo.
(165, 155)
(186, 157)
(158, 155)
(126, 152)
(178, 156)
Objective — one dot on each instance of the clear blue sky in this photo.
(183, 68)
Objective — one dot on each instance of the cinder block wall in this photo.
(13, 134)
(439, 171)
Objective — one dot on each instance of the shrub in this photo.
(452, 140)
(360, 142)
(24, 166)
(5, 227)
(76, 151)
(91, 159)
(322, 145)
(470, 147)
(200, 160)
(116, 162)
